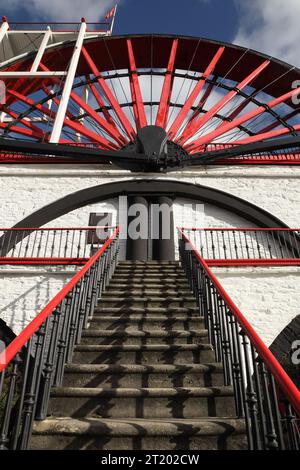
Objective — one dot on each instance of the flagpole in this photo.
(113, 21)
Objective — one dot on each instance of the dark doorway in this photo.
(156, 240)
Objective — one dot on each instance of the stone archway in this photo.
(160, 188)
(241, 207)
(284, 349)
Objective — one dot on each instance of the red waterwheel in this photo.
(203, 96)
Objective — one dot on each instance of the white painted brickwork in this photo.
(26, 290)
(269, 297)
(270, 303)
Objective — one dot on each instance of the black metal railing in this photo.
(265, 396)
(280, 156)
(34, 361)
(51, 245)
(260, 244)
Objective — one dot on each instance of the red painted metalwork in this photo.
(253, 262)
(247, 246)
(117, 62)
(67, 122)
(114, 103)
(91, 112)
(198, 143)
(193, 120)
(138, 104)
(194, 94)
(241, 229)
(14, 347)
(53, 246)
(43, 261)
(164, 105)
(226, 99)
(286, 385)
(268, 135)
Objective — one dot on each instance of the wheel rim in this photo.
(205, 94)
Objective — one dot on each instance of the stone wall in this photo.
(269, 297)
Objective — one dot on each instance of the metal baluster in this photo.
(235, 245)
(65, 309)
(46, 243)
(8, 409)
(258, 388)
(49, 365)
(33, 383)
(226, 353)
(276, 414)
(271, 436)
(292, 427)
(74, 315)
(66, 243)
(251, 396)
(224, 245)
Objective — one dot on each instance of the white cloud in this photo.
(270, 26)
(60, 10)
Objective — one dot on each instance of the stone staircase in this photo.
(144, 375)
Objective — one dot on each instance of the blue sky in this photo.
(271, 26)
(215, 19)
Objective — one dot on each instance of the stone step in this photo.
(176, 271)
(145, 292)
(167, 312)
(137, 375)
(148, 301)
(147, 277)
(150, 272)
(145, 354)
(151, 403)
(153, 284)
(131, 336)
(139, 434)
(148, 263)
(146, 322)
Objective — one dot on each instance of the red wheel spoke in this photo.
(138, 104)
(67, 122)
(22, 131)
(194, 94)
(109, 95)
(164, 105)
(92, 113)
(268, 135)
(186, 133)
(277, 123)
(236, 112)
(228, 97)
(23, 121)
(237, 122)
(101, 104)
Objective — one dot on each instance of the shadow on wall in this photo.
(19, 304)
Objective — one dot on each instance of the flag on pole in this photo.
(111, 13)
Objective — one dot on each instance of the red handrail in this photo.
(285, 383)
(14, 347)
